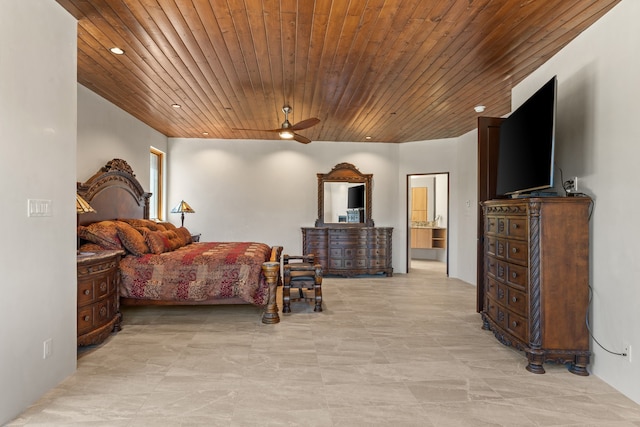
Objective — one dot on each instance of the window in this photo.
(155, 183)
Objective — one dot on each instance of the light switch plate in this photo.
(39, 207)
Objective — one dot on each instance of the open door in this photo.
(428, 218)
(488, 140)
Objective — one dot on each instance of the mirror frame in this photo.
(348, 173)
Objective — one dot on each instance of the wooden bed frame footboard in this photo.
(114, 192)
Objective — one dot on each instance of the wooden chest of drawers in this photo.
(349, 251)
(536, 296)
(98, 296)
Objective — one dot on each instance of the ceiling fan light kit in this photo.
(287, 130)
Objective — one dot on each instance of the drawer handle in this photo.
(85, 318)
(87, 291)
(516, 226)
(514, 299)
(514, 275)
(514, 324)
(514, 250)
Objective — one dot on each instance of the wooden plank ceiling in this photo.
(394, 70)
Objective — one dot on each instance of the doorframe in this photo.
(408, 220)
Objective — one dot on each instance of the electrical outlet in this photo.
(575, 184)
(47, 348)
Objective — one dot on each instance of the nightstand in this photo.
(98, 296)
(195, 237)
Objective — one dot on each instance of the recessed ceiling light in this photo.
(176, 106)
(205, 133)
(367, 138)
(117, 51)
(479, 108)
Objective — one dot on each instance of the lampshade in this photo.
(182, 207)
(82, 206)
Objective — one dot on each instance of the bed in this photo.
(161, 264)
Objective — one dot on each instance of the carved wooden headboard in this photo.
(114, 192)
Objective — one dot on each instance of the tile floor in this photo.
(401, 351)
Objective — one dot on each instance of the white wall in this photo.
(267, 190)
(37, 257)
(458, 156)
(106, 132)
(598, 140)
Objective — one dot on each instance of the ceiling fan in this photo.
(287, 130)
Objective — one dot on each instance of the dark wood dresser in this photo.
(350, 251)
(536, 280)
(98, 296)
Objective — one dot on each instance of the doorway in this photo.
(428, 220)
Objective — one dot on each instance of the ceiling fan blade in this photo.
(301, 138)
(305, 124)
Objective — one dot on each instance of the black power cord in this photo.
(567, 186)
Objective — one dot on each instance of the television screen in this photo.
(526, 148)
(356, 197)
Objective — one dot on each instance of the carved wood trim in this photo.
(345, 172)
(535, 315)
(115, 174)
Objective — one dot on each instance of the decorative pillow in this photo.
(157, 242)
(132, 240)
(103, 233)
(184, 234)
(139, 222)
(175, 241)
(168, 226)
(90, 247)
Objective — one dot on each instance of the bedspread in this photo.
(198, 272)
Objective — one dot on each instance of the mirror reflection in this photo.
(344, 202)
(344, 197)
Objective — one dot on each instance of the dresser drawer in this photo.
(517, 251)
(516, 301)
(85, 292)
(516, 275)
(491, 245)
(377, 263)
(491, 266)
(495, 312)
(516, 227)
(496, 291)
(342, 263)
(500, 271)
(516, 325)
(85, 319)
(491, 225)
(378, 252)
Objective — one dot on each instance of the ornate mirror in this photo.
(344, 197)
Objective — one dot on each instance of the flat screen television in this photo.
(355, 197)
(527, 143)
